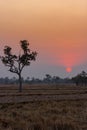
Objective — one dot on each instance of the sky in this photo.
(56, 29)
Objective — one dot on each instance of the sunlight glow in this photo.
(68, 69)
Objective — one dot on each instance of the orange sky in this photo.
(57, 29)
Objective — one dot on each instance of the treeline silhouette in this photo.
(79, 79)
(46, 80)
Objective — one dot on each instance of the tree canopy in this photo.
(16, 63)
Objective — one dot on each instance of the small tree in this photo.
(16, 63)
(80, 79)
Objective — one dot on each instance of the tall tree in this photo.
(16, 63)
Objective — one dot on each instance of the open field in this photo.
(10, 94)
(43, 107)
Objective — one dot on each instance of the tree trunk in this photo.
(20, 83)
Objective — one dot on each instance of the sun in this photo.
(68, 69)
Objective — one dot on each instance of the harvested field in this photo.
(10, 94)
(47, 107)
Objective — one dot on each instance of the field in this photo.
(43, 107)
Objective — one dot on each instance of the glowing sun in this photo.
(68, 69)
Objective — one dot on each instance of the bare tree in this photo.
(16, 63)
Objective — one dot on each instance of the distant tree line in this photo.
(79, 79)
(48, 79)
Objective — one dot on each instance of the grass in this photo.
(48, 115)
(43, 115)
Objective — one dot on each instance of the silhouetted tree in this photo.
(55, 79)
(47, 78)
(80, 79)
(16, 63)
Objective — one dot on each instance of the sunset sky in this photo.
(56, 29)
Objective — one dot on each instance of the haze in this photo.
(56, 29)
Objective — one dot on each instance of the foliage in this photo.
(16, 63)
(80, 79)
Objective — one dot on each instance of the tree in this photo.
(47, 78)
(16, 63)
(80, 79)
(55, 79)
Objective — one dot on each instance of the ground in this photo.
(43, 107)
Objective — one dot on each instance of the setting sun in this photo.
(68, 69)
(56, 29)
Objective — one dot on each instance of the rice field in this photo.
(43, 107)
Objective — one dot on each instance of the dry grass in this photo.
(43, 115)
(49, 115)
